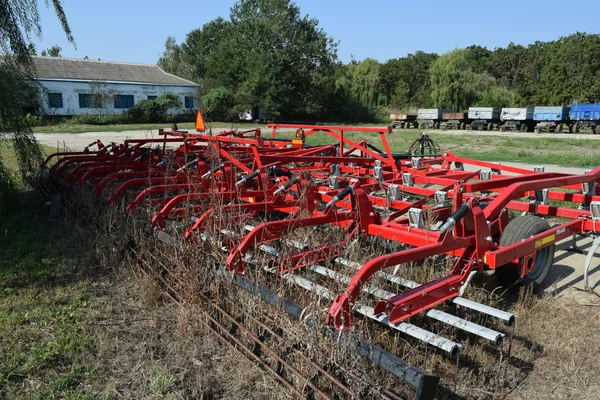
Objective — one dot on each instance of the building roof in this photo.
(58, 68)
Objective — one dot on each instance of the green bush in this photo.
(33, 120)
(154, 111)
(219, 104)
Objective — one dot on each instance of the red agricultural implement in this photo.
(254, 194)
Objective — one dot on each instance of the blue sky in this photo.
(135, 30)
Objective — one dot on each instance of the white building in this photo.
(74, 86)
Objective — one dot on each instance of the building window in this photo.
(86, 101)
(55, 100)
(152, 97)
(123, 100)
(189, 102)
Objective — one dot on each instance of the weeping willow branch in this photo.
(19, 22)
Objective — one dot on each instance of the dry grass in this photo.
(145, 345)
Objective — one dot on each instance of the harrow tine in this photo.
(476, 329)
(447, 345)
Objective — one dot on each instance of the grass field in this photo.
(76, 328)
(557, 151)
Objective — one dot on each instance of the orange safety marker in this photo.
(200, 127)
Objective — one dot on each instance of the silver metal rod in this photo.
(507, 317)
(476, 329)
(452, 348)
(588, 262)
(431, 338)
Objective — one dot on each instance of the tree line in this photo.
(268, 56)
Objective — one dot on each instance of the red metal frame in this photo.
(240, 174)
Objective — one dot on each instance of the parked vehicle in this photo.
(455, 120)
(525, 119)
(432, 117)
(551, 119)
(404, 121)
(518, 119)
(585, 116)
(483, 118)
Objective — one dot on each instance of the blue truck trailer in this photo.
(585, 116)
(551, 119)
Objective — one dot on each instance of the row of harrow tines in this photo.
(386, 239)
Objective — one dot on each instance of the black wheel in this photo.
(518, 229)
(537, 130)
(524, 127)
(463, 126)
(573, 128)
(490, 126)
(597, 130)
(558, 128)
(416, 124)
(436, 125)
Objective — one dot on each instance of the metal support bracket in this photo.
(588, 262)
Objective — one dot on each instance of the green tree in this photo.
(454, 84)
(405, 81)
(20, 22)
(478, 58)
(53, 51)
(172, 60)
(518, 68)
(219, 104)
(268, 54)
(102, 96)
(571, 66)
(365, 82)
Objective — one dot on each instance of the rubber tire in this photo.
(518, 229)
(574, 128)
(462, 126)
(597, 130)
(490, 126)
(524, 128)
(537, 130)
(558, 129)
(416, 124)
(436, 125)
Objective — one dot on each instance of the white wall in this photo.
(71, 89)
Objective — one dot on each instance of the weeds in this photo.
(162, 383)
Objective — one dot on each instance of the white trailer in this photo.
(520, 119)
(483, 117)
(431, 117)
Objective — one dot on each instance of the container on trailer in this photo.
(403, 117)
(454, 115)
(404, 121)
(432, 113)
(516, 114)
(583, 112)
(551, 113)
(487, 113)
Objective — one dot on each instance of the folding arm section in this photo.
(271, 231)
